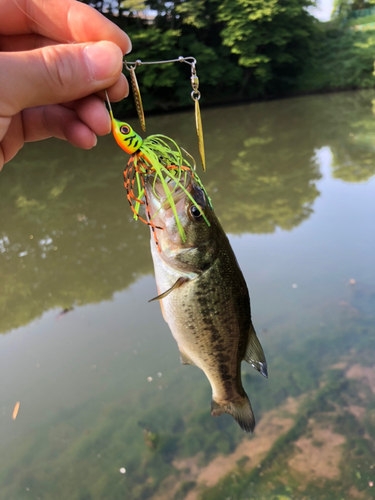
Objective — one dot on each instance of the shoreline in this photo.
(235, 102)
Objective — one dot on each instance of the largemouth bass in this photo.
(204, 297)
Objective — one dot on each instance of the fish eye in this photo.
(195, 213)
(124, 129)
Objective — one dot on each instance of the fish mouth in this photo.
(156, 194)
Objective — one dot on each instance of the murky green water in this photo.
(101, 387)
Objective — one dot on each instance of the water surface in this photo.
(95, 367)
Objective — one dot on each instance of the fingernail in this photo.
(109, 125)
(104, 60)
(130, 45)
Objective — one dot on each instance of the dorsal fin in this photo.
(185, 359)
(254, 353)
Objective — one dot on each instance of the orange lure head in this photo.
(126, 138)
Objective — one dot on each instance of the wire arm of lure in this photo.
(188, 60)
(195, 95)
(109, 105)
(132, 66)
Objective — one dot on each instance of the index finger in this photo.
(62, 20)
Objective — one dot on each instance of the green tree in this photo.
(343, 59)
(272, 39)
(244, 48)
(342, 8)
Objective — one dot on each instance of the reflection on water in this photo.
(67, 235)
(101, 388)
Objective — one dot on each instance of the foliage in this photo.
(244, 48)
(361, 20)
(350, 8)
(343, 59)
(271, 37)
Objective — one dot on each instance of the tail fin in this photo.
(240, 410)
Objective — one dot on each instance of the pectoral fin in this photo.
(185, 360)
(254, 353)
(178, 283)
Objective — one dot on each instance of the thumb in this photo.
(56, 74)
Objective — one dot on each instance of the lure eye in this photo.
(195, 213)
(124, 129)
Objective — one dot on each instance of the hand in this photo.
(49, 87)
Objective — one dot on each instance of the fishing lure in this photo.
(156, 155)
(136, 94)
(195, 95)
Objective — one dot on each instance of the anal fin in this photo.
(185, 359)
(178, 283)
(254, 353)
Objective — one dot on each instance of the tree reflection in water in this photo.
(67, 235)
